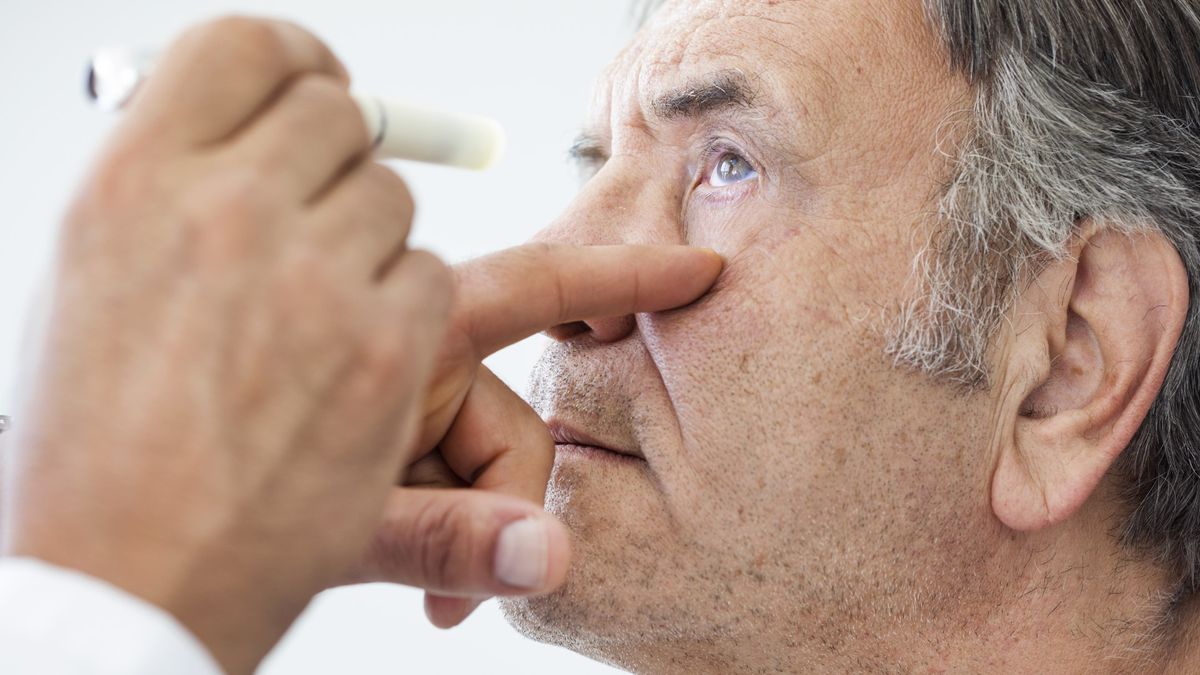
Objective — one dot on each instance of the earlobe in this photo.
(1018, 495)
(1079, 381)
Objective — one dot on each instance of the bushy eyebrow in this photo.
(714, 93)
(717, 92)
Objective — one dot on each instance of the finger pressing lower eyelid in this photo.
(511, 295)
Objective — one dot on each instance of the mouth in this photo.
(570, 440)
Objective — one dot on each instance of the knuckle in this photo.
(436, 278)
(381, 357)
(533, 428)
(449, 547)
(534, 254)
(321, 100)
(314, 103)
(392, 190)
(436, 272)
(252, 44)
(227, 31)
(537, 250)
(538, 259)
(345, 116)
(327, 97)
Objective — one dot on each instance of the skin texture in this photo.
(804, 506)
(243, 359)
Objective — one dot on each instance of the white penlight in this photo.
(407, 131)
(399, 130)
(115, 74)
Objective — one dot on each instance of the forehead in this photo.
(810, 56)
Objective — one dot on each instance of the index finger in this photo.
(218, 75)
(508, 296)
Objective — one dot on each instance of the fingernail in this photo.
(522, 554)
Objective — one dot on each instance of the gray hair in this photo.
(1083, 109)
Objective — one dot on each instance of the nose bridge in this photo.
(622, 204)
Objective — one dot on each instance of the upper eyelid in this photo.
(717, 146)
(590, 153)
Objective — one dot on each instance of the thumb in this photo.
(467, 543)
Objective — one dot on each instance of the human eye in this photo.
(724, 165)
(588, 154)
(729, 168)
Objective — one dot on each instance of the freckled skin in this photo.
(805, 506)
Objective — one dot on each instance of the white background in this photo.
(527, 63)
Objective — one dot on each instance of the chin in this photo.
(632, 574)
(587, 615)
(599, 630)
(602, 618)
(605, 506)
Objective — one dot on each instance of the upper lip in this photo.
(566, 434)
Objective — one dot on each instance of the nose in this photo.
(619, 205)
(603, 330)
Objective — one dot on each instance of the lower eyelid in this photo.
(726, 194)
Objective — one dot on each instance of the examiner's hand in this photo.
(239, 345)
(479, 433)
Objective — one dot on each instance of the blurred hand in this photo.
(239, 344)
(242, 356)
(465, 546)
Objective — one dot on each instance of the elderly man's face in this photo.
(795, 486)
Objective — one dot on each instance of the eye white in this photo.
(731, 169)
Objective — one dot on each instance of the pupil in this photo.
(730, 167)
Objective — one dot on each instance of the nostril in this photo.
(612, 329)
(565, 331)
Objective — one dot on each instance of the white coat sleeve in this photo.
(55, 621)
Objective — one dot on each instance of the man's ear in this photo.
(1091, 340)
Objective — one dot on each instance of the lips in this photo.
(568, 437)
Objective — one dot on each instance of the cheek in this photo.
(763, 373)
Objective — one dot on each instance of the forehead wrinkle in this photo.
(689, 34)
(723, 38)
(718, 36)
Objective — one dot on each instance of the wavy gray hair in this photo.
(1083, 109)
